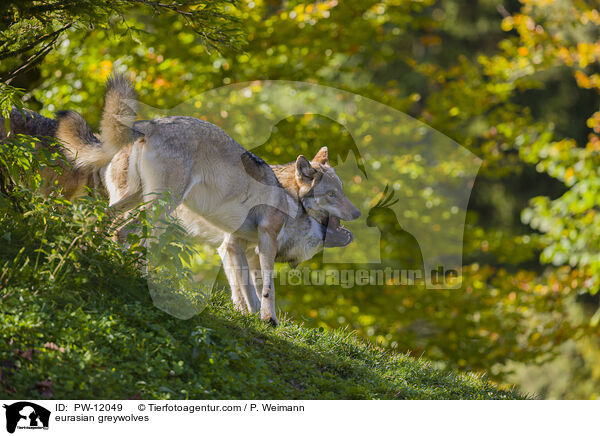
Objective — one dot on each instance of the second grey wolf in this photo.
(216, 184)
(84, 151)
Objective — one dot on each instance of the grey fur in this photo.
(120, 111)
(28, 122)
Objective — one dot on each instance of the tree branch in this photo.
(35, 58)
(7, 54)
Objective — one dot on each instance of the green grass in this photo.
(115, 344)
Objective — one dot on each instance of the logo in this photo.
(26, 415)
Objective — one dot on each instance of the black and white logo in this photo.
(26, 415)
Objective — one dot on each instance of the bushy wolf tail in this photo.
(120, 110)
(88, 151)
(81, 147)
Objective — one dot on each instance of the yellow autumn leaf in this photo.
(569, 173)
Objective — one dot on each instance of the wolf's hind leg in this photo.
(159, 178)
(128, 202)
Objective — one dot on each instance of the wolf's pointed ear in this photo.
(322, 156)
(304, 172)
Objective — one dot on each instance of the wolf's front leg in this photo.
(267, 249)
(236, 294)
(254, 264)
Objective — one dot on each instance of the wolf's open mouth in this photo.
(337, 235)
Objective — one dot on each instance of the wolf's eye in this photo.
(331, 194)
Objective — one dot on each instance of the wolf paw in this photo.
(269, 318)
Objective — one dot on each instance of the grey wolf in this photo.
(85, 152)
(222, 189)
(300, 239)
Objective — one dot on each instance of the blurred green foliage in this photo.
(516, 84)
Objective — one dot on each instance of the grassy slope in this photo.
(116, 344)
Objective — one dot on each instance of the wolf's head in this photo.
(322, 195)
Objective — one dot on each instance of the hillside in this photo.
(109, 343)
